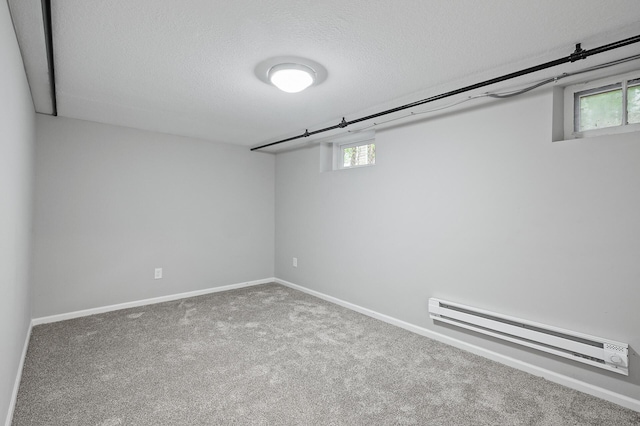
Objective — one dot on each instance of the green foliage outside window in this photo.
(633, 104)
(601, 110)
(606, 108)
(361, 155)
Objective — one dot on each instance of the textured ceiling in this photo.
(187, 67)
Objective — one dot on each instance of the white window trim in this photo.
(342, 147)
(356, 139)
(570, 111)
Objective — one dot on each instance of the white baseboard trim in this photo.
(16, 385)
(126, 305)
(561, 379)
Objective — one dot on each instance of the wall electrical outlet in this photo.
(295, 262)
(158, 273)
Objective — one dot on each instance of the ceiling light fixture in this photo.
(291, 78)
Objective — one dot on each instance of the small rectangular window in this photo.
(599, 108)
(606, 106)
(348, 151)
(357, 154)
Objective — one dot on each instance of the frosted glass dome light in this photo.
(292, 78)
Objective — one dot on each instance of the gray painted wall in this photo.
(478, 207)
(16, 169)
(113, 203)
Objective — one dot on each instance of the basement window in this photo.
(357, 154)
(350, 151)
(605, 106)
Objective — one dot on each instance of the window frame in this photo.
(331, 151)
(340, 153)
(572, 105)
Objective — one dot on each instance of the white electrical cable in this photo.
(504, 95)
(411, 114)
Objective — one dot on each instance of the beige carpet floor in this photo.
(270, 355)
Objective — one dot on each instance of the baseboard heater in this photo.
(603, 353)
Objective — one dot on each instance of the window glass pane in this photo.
(600, 110)
(633, 101)
(361, 155)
